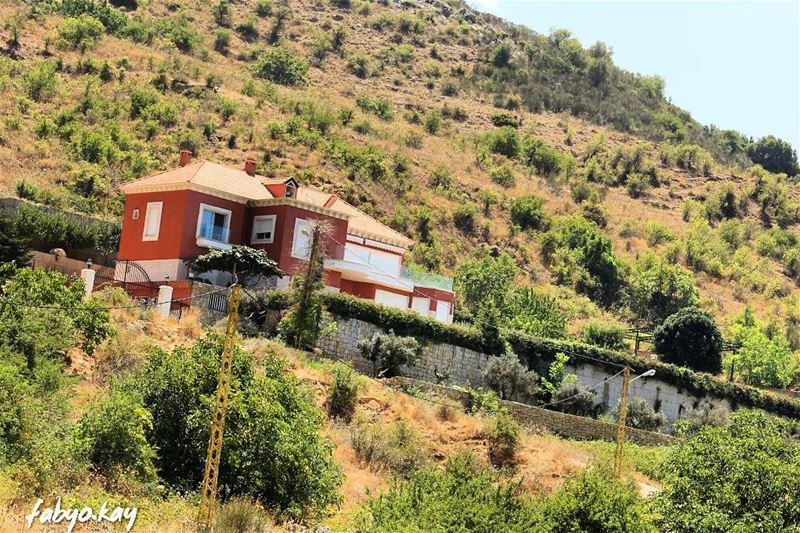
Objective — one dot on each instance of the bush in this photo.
(222, 41)
(40, 82)
(343, 393)
(388, 352)
(280, 66)
(690, 338)
(509, 378)
(392, 446)
(504, 438)
(531, 313)
(580, 255)
(272, 430)
(501, 54)
(572, 397)
(503, 176)
(775, 155)
(504, 141)
(527, 212)
(487, 278)
(658, 289)
(464, 218)
(81, 33)
(740, 477)
(609, 336)
(641, 415)
(546, 160)
(595, 501)
(500, 120)
(243, 515)
(113, 436)
(464, 492)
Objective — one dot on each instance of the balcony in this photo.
(428, 279)
(213, 237)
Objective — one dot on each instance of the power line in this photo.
(588, 389)
(6, 300)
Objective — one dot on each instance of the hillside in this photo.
(438, 120)
(391, 434)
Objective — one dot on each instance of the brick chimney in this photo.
(186, 157)
(250, 166)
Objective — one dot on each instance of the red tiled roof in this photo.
(238, 183)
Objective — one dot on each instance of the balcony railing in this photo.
(428, 279)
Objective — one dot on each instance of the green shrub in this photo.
(465, 218)
(595, 501)
(222, 40)
(504, 439)
(656, 233)
(40, 82)
(392, 446)
(380, 107)
(500, 120)
(113, 436)
(690, 337)
(740, 477)
(500, 55)
(486, 278)
(503, 175)
(580, 255)
(641, 415)
(657, 289)
(609, 336)
(343, 393)
(272, 430)
(360, 65)
(388, 352)
(464, 492)
(280, 66)
(81, 33)
(775, 155)
(546, 160)
(433, 122)
(764, 357)
(509, 378)
(264, 8)
(504, 141)
(572, 397)
(248, 28)
(527, 212)
(526, 311)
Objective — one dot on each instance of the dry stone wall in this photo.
(441, 362)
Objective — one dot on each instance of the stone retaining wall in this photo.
(444, 363)
(569, 426)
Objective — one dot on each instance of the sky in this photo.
(734, 64)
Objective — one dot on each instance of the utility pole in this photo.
(208, 497)
(622, 416)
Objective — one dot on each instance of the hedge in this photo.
(539, 352)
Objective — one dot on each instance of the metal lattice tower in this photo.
(208, 496)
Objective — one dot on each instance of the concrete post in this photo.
(87, 275)
(164, 300)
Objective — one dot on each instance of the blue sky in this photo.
(735, 64)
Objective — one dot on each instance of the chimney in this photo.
(186, 157)
(250, 166)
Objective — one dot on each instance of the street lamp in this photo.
(623, 413)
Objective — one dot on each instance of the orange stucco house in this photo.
(172, 217)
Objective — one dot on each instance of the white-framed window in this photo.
(263, 229)
(213, 223)
(152, 221)
(301, 242)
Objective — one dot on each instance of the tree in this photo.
(509, 378)
(528, 312)
(388, 352)
(657, 289)
(741, 477)
(595, 501)
(501, 54)
(487, 278)
(527, 212)
(489, 323)
(238, 260)
(272, 448)
(764, 356)
(301, 325)
(573, 397)
(580, 255)
(690, 338)
(280, 66)
(641, 415)
(12, 249)
(113, 435)
(81, 33)
(45, 314)
(775, 155)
